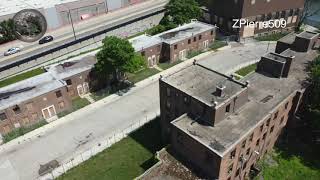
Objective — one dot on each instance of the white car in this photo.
(12, 51)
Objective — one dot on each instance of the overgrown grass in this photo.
(167, 65)
(22, 131)
(217, 44)
(246, 70)
(271, 37)
(21, 77)
(77, 104)
(100, 94)
(192, 54)
(293, 168)
(126, 159)
(141, 75)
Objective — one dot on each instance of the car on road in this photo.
(46, 39)
(11, 51)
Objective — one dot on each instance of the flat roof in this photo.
(185, 31)
(288, 39)
(144, 41)
(308, 34)
(27, 89)
(201, 83)
(14, 6)
(72, 67)
(275, 57)
(265, 94)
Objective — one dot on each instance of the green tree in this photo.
(315, 83)
(181, 11)
(312, 113)
(137, 63)
(310, 9)
(6, 31)
(116, 58)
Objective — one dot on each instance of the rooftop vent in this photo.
(68, 64)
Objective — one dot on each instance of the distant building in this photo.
(222, 126)
(175, 44)
(223, 13)
(60, 12)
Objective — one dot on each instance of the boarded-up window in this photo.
(34, 116)
(25, 120)
(29, 106)
(61, 105)
(3, 116)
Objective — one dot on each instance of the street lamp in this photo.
(70, 17)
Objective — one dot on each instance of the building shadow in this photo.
(149, 136)
(298, 143)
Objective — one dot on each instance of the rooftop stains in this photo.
(6, 95)
(266, 99)
(265, 93)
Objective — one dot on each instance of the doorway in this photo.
(183, 54)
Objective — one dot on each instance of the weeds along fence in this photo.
(63, 167)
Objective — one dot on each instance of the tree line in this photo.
(177, 12)
(7, 31)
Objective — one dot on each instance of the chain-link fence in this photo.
(63, 167)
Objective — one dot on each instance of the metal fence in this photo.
(99, 147)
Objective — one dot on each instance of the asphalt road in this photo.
(23, 161)
(88, 26)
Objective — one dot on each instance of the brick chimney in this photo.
(220, 90)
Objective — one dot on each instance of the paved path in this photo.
(89, 125)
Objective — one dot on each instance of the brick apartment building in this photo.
(75, 74)
(44, 96)
(223, 13)
(221, 126)
(28, 101)
(174, 44)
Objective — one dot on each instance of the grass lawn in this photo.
(124, 160)
(271, 37)
(21, 77)
(246, 70)
(77, 104)
(22, 130)
(167, 65)
(288, 168)
(217, 44)
(100, 94)
(141, 75)
(296, 157)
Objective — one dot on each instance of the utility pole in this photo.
(106, 5)
(74, 33)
